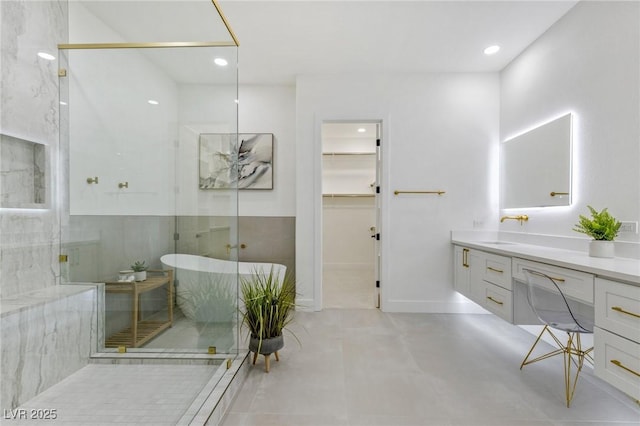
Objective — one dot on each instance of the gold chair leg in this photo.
(574, 347)
(526, 360)
(572, 354)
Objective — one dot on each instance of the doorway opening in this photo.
(350, 214)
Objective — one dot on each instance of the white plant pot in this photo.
(140, 276)
(605, 249)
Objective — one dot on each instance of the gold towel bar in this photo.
(553, 193)
(396, 192)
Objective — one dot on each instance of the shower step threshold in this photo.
(155, 356)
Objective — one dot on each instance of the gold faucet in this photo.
(521, 217)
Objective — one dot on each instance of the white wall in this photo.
(587, 63)
(262, 109)
(440, 131)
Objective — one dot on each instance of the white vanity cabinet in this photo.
(491, 287)
(484, 278)
(577, 285)
(491, 274)
(617, 335)
(461, 270)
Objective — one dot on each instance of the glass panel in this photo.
(132, 127)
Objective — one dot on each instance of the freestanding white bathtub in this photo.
(207, 289)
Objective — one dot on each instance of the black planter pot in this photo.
(268, 346)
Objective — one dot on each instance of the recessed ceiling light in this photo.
(491, 50)
(362, 130)
(47, 56)
(221, 62)
(153, 102)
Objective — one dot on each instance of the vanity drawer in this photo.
(497, 270)
(496, 300)
(617, 308)
(617, 361)
(575, 284)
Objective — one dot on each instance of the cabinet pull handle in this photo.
(465, 258)
(495, 270)
(619, 309)
(560, 280)
(495, 301)
(619, 364)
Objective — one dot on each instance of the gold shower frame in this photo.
(147, 45)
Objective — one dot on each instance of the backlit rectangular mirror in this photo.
(535, 167)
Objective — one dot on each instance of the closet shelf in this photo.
(348, 153)
(347, 195)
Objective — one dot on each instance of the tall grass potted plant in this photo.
(603, 228)
(268, 301)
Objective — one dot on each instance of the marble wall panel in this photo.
(29, 109)
(45, 342)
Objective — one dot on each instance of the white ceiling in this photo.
(282, 39)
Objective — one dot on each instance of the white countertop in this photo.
(617, 268)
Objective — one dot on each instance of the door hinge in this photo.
(377, 283)
(63, 258)
(378, 236)
(176, 236)
(377, 142)
(378, 189)
(62, 72)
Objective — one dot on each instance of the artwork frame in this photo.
(230, 161)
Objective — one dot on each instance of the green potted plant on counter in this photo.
(139, 270)
(268, 301)
(603, 228)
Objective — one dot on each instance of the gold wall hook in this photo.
(91, 180)
(123, 185)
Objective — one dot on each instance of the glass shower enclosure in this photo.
(136, 100)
